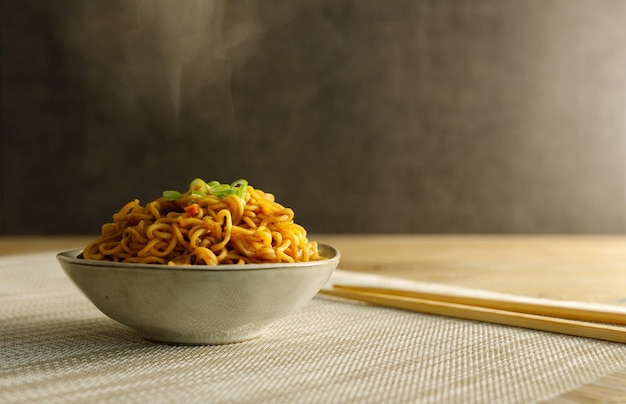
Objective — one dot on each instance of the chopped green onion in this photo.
(227, 192)
(201, 188)
(240, 187)
(219, 188)
(171, 195)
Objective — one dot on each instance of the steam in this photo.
(158, 60)
(197, 39)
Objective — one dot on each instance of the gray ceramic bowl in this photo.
(198, 304)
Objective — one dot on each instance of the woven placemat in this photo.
(56, 347)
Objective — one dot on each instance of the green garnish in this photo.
(198, 187)
(219, 190)
(171, 195)
(202, 188)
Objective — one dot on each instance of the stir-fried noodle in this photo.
(207, 225)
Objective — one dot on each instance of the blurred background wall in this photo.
(401, 116)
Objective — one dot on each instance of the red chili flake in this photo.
(192, 210)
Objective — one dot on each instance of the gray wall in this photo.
(414, 116)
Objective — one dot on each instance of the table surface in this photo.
(580, 268)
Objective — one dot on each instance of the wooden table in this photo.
(583, 268)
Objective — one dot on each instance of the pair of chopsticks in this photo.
(581, 322)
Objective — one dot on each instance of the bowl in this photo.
(195, 304)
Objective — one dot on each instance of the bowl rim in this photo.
(71, 256)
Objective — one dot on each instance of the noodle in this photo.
(204, 229)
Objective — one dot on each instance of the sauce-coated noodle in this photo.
(204, 230)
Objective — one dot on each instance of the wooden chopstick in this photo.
(485, 314)
(572, 313)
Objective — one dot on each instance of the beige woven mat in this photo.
(56, 347)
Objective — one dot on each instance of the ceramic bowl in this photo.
(198, 304)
